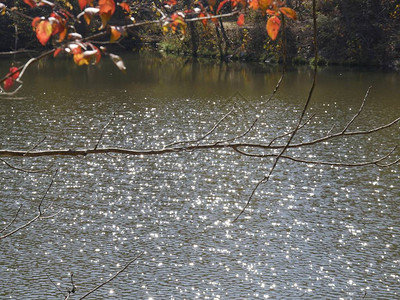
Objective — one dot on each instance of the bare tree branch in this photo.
(112, 277)
(266, 178)
(104, 129)
(39, 214)
(376, 162)
(199, 147)
(206, 134)
(26, 170)
(13, 220)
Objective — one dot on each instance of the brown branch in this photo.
(104, 128)
(112, 277)
(26, 170)
(202, 147)
(266, 178)
(358, 112)
(327, 163)
(13, 220)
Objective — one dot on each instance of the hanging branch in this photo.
(293, 133)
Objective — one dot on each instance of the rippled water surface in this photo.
(311, 232)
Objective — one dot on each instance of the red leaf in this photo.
(58, 50)
(31, 3)
(288, 12)
(221, 5)
(273, 25)
(8, 83)
(35, 21)
(170, 2)
(204, 21)
(16, 74)
(83, 3)
(125, 6)
(240, 20)
(44, 31)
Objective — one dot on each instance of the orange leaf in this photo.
(31, 3)
(253, 4)
(204, 21)
(125, 6)
(264, 5)
(83, 3)
(240, 20)
(212, 3)
(115, 34)
(35, 21)
(58, 50)
(107, 9)
(44, 31)
(288, 12)
(273, 25)
(221, 5)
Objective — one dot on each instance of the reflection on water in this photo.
(313, 232)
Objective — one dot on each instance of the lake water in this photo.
(311, 232)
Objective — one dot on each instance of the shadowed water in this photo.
(311, 232)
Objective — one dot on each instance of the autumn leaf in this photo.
(203, 21)
(88, 57)
(118, 62)
(3, 9)
(88, 14)
(15, 71)
(31, 3)
(83, 3)
(107, 9)
(273, 25)
(44, 31)
(125, 6)
(253, 4)
(221, 5)
(58, 50)
(212, 3)
(116, 33)
(288, 12)
(9, 82)
(240, 20)
(264, 5)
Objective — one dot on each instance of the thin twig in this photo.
(359, 111)
(113, 277)
(205, 135)
(39, 214)
(13, 220)
(36, 145)
(326, 163)
(26, 170)
(104, 129)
